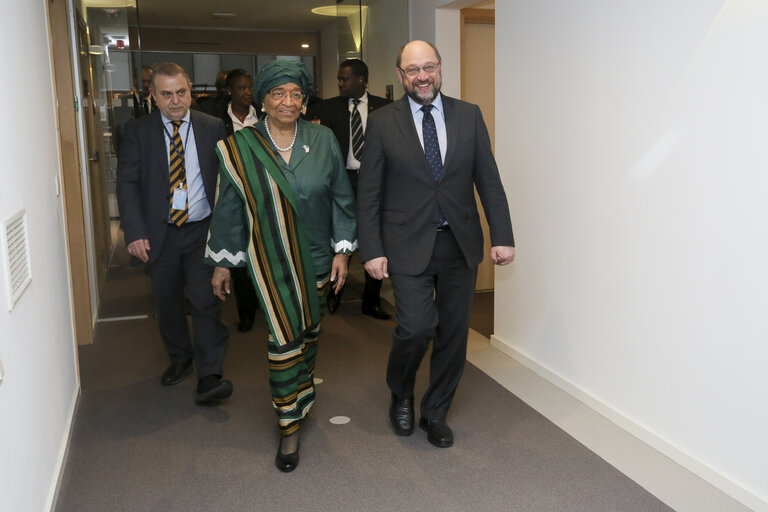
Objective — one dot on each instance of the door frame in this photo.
(74, 186)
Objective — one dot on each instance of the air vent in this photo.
(15, 247)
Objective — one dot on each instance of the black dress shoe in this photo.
(401, 415)
(212, 388)
(176, 373)
(245, 325)
(287, 462)
(333, 300)
(376, 312)
(438, 432)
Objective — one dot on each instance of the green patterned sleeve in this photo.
(344, 238)
(228, 233)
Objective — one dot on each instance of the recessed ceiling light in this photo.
(223, 14)
(305, 45)
(338, 10)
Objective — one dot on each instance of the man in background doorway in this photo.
(347, 116)
(143, 103)
(166, 183)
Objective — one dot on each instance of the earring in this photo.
(262, 109)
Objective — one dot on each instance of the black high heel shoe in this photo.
(287, 458)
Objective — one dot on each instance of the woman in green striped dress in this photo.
(285, 211)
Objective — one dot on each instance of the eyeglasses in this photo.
(414, 70)
(279, 94)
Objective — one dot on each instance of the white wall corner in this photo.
(722, 482)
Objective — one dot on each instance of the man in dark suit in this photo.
(166, 185)
(418, 224)
(347, 114)
(143, 103)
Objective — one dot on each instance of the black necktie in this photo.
(178, 174)
(356, 130)
(432, 152)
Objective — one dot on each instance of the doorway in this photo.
(478, 87)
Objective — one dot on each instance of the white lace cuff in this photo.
(344, 246)
(233, 259)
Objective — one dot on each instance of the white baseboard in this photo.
(565, 421)
(61, 463)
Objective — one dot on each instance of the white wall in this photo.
(635, 157)
(387, 32)
(439, 22)
(39, 389)
(327, 84)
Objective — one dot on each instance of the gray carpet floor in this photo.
(138, 446)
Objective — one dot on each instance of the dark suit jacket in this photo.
(334, 113)
(142, 174)
(398, 198)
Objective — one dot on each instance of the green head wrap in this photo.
(278, 72)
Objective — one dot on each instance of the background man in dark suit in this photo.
(143, 103)
(338, 114)
(166, 185)
(418, 224)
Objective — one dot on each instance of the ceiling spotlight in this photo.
(305, 45)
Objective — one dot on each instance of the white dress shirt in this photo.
(362, 107)
(198, 205)
(251, 119)
(438, 114)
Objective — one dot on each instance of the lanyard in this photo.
(180, 150)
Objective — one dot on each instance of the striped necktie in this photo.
(432, 152)
(356, 129)
(178, 174)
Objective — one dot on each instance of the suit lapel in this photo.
(404, 120)
(451, 132)
(157, 143)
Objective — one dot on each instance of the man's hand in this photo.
(220, 282)
(377, 267)
(139, 248)
(339, 271)
(502, 254)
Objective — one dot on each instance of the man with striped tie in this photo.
(347, 116)
(166, 184)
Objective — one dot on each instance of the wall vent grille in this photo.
(15, 253)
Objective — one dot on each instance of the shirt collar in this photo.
(185, 118)
(437, 103)
(251, 111)
(363, 99)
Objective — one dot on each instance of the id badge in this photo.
(179, 198)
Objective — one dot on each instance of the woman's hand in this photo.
(339, 271)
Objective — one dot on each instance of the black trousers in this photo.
(179, 271)
(372, 287)
(432, 306)
(245, 294)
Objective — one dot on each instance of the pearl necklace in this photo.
(295, 131)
